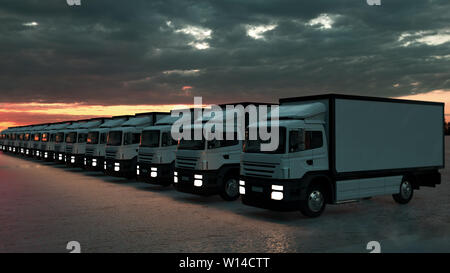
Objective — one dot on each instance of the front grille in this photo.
(35, 145)
(69, 149)
(90, 151)
(145, 157)
(57, 147)
(186, 162)
(111, 152)
(258, 169)
(42, 146)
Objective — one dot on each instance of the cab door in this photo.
(300, 158)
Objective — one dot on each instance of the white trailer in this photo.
(339, 148)
(94, 157)
(122, 145)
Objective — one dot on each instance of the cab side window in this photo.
(313, 139)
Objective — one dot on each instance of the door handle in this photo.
(309, 162)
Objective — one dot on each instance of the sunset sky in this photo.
(107, 58)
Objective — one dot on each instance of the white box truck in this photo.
(340, 148)
(156, 159)
(122, 145)
(76, 142)
(94, 157)
(210, 167)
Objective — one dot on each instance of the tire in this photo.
(230, 188)
(406, 192)
(315, 203)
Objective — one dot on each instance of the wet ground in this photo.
(44, 205)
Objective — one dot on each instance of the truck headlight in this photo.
(277, 192)
(153, 174)
(277, 188)
(116, 166)
(277, 195)
(198, 176)
(72, 159)
(198, 183)
(94, 162)
(241, 190)
(137, 169)
(175, 177)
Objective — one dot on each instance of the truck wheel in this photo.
(406, 192)
(230, 189)
(314, 204)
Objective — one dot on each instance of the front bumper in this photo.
(186, 182)
(48, 155)
(74, 160)
(93, 163)
(120, 168)
(158, 174)
(259, 192)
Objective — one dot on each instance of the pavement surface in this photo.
(43, 206)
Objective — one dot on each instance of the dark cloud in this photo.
(116, 52)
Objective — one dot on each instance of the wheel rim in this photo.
(315, 201)
(406, 190)
(231, 187)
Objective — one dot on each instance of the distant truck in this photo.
(339, 148)
(156, 160)
(122, 145)
(48, 147)
(36, 137)
(76, 142)
(94, 157)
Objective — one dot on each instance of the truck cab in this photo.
(209, 167)
(76, 142)
(122, 144)
(2, 140)
(48, 147)
(24, 136)
(94, 157)
(35, 143)
(156, 160)
(18, 140)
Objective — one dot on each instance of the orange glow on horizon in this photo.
(19, 114)
(436, 96)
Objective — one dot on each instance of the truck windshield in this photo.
(92, 138)
(82, 137)
(150, 138)
(59, 137)
(36, 137)
(114, 138)
(254, 146)
(44, 137)
(71, 137)
(132, 138)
